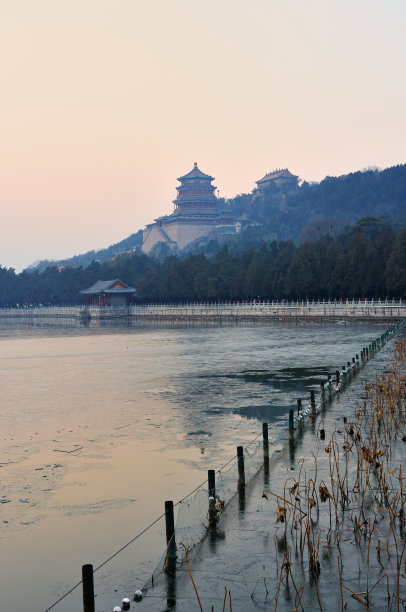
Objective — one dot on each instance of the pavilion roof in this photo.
(277, 174)
(196, 173)
(110, 286)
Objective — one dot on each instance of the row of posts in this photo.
(211, 481)
(340, 378)
(344, 376)
(171, 556)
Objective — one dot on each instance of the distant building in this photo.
(197, 213)
(281, 178)
(109, 293)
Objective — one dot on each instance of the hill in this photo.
(130, 244)
(368, 260)
(306, 213)
(312, 211)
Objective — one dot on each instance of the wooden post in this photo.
(266, 454)
(265, 441)
(88, 588)
(170, 537)
(299, 421)
(291, 437)
(241, 468)
(291, 425)
(322, 395)
(169, 520)
(337, 377)
(312, 403)
(211, 481)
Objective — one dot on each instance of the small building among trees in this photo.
(113, 293)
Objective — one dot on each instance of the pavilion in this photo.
(113, 293)
(281, 178)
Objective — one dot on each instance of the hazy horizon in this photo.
(105, 104)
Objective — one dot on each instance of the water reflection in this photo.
(170, 591)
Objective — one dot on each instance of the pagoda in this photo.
(195, 193)
(197, 213)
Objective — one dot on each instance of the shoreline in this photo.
(216, 313)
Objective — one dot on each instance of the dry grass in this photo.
(363, 494)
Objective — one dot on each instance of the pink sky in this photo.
(106, 102)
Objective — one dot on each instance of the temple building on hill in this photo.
(283, 179)
(197, 213)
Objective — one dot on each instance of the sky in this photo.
(104, 103)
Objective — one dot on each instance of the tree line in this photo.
(367, 261)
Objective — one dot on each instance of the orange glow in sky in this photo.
(106, 102)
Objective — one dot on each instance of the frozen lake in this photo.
(100, 426)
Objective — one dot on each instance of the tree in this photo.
(395, 273)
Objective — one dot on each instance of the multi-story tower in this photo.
(197, 213)
(195, 193)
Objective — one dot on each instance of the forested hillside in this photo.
(313, 211)
(367, 261)
(131, 243)
(305, 214)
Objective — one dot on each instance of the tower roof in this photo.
(196, 173)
